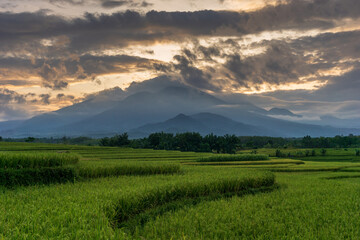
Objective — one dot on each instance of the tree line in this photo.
(191, 141)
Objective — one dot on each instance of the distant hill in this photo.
(204, 123)
(282, 112)
(140, 112)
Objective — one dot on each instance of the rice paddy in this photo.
(123, 193)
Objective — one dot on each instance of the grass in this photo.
(314, 200)
(31, 176)
(36, 160)
(307, 208)
(252, 163)
(128, 169)
(234, 158)
(127, 208)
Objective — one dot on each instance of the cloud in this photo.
(60, 51)
(102, 3)
(54, 41)
(222, 65)
(45, 98)
(101, 31)
(113, 4)
(56, 73)
(8, 96)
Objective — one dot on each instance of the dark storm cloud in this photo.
(115, 4)
(14, 82)
(60, 47)
(282, 62)
(56, 72)
(94, 31)
(72, 2)
(45, 98)
(62, 96)
(9, 96)
(103, 3)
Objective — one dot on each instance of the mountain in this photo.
(139, 111)
(144, 107)
(6, 128)
(282, 112)
(46, 124)
(204, 123)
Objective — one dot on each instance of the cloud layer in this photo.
(293, 43)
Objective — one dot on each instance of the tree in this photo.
(213, 142)
(229, 144)
(313, 153)
(188, 141)
(278, 153)
(30, 139)
(323, 152)
(307, 142)
(122, 139)
(1, 138)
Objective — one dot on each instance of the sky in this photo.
(303, 55)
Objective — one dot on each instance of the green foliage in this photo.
(357, 152)
(313, 152)
(36, 160)
(115, 141)
(30, 139)
(27, 176)
(323, 152)
(278, 153)
(234, 158)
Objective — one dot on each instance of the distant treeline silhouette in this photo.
(191, 141)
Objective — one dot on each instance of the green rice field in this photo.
(124, 193)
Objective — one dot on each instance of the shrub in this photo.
(357, 152)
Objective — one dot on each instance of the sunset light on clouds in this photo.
(53, 53)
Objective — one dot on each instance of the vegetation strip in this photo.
(128, 208)
(342, 177)
(270, 162)
(36, 160)
(142, 218)
(234, 158)
(31, 176)
(128, 169)
(325, 169)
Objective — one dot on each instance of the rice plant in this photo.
(131, 206)
(128, 169)
(31, 176)
(233, 158)
(36, 160)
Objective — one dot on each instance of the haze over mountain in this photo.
(167, 106)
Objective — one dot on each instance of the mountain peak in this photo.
(282, 112)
